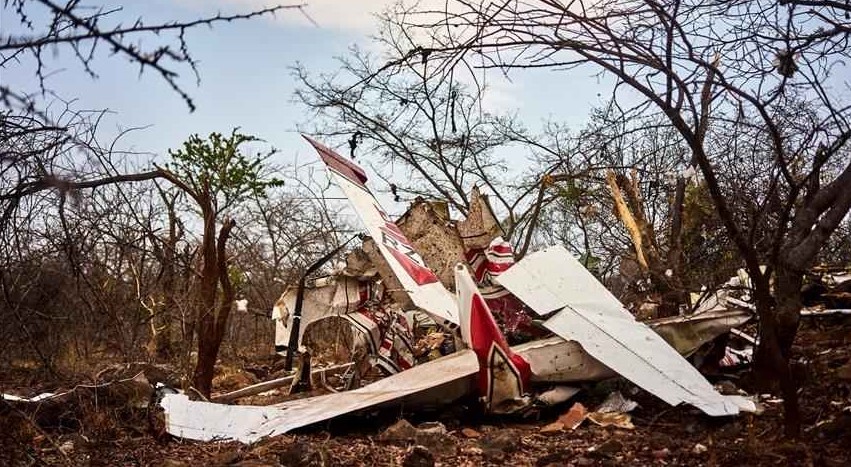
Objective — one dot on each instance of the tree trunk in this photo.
(213, 321)
(778, 319)
(208, 350)
(163, 340)
(664, 274)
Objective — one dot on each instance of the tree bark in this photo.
(212, 322)
(202, 379)
(778, 320)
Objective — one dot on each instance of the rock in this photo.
(440, 444)
(609, 448)
(418, 456)
(661, 454)
(432, 427)
(699, 449)
(401, 431)
(470, 433)
(584, 461)
(506, 441)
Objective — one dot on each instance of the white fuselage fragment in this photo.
(586, 312)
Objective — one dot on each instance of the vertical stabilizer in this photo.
(503, 375)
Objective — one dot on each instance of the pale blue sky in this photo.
(245, 81)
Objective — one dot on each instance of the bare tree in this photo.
(704, 66)
(116, 256)
(46, 26)
(428, 134)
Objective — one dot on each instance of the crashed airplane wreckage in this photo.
(387, 285)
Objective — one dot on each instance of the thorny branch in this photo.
(84, 29)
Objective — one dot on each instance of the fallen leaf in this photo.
(615, 419)
(470, 433)
(573, 417)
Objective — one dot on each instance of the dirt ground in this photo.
(662, 436)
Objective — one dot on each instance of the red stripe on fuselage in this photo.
(339, 164)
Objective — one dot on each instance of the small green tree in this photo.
(216, 174)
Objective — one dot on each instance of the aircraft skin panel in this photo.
(547, 288)
(419, 281)
(640, 355)
(206, 421)
(552, 360)
(553, 278)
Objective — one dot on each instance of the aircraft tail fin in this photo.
(504, 376)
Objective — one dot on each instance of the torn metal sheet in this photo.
(258, 388)
(556, 395)
(616, 402)
(420, 282)
(688, 333)
(735, 293)
(378, 329)
(488, 263)
(441, 381)
(436, 382)
(555, 360)
(328, 296)
(68, 406)
(41, 397)
(553, 280)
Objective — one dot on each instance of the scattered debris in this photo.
(597, 337)
(556, 395)
(432, 428)
(51, 409)
(554, 427)
(277, 383)
(615, 419)
(573, 417)
(817, 311)
(553, 280)
(616, 402)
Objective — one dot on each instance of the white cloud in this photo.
(340, 15)
(335, 15)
